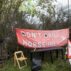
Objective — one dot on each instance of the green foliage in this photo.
(29, 8)
(8, 11)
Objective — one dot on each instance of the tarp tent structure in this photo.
(43, 40)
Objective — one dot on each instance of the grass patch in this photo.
(58, 65)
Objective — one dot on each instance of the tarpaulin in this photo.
(69, 49)
(42, 38)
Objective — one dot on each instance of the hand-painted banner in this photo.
(42, 38)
